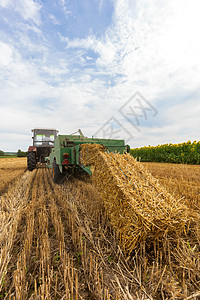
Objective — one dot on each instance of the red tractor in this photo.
(43, 142)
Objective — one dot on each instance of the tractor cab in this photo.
(43, 142)
(44, 137)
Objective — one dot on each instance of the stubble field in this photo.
(182, 181)
(10, 169)
(57, 242)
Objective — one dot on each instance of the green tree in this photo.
(2, 153)
(21, 153)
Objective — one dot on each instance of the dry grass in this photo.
(57, 242)
(10, 169)
(182, 181)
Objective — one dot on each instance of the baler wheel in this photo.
(31, 161)
(57, 176)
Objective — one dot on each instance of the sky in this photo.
(127, 69)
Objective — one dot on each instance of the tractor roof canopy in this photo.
(44, 131)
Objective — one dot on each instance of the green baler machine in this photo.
(65, 157)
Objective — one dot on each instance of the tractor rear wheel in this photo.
(31, 160)
(57, 176)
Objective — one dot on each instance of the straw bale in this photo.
(89, 152)
(137, 205)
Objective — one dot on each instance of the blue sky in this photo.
(74, 64)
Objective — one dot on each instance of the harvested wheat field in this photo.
(182, 181)
(66, 241)
(10, 169)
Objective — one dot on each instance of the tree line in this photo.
(18, 154)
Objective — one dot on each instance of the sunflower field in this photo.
(186, 153)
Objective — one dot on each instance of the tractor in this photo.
(43, 142)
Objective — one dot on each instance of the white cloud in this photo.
(5, 3)
(53, 19)
(6, 54)
(89, 58)
(62, 2)
(28, 9)
(27, 101)
(157, 52)
(104, 48)
(65, 9)
(148, 48)
(13, 68)
(53, 71)
(150, 43)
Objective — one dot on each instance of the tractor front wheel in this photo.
(31, 160)
(57, 176)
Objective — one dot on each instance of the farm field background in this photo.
(57, 241)
(10, 169)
